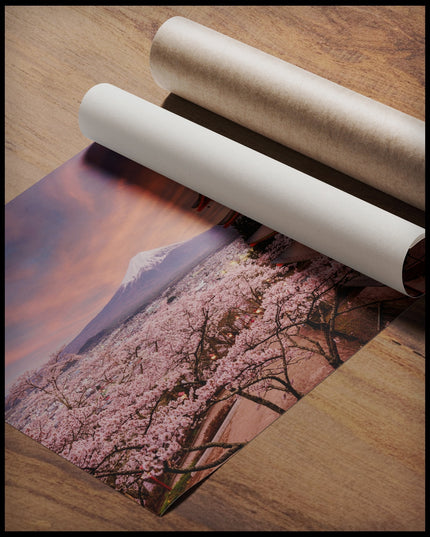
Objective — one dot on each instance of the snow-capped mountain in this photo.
(148, 275)
(146, 261)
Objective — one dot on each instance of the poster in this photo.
(151, 332)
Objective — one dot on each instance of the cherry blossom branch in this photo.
(231, 447)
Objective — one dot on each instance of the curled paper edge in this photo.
(363, 237)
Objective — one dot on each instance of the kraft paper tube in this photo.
(367, 140)
(356, 233)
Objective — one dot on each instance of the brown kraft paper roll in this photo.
(354, 134)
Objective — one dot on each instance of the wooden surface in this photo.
(350, 455)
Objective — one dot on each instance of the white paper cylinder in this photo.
(347, 229)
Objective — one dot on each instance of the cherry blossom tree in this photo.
(140, 408)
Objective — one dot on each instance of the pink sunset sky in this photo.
(69, 240)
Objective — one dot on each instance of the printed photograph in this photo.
(151, 333)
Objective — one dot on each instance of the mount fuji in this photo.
(148, 274)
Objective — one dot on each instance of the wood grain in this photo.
(350, 455)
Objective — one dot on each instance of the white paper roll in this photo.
(347, 229)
